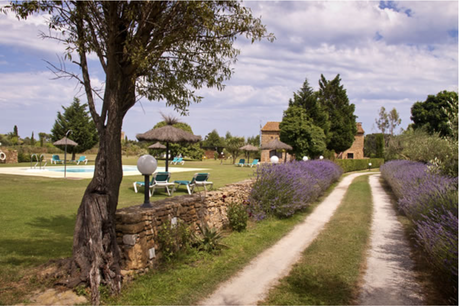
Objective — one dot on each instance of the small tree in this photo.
(233, 145)
(77, 119)
(382, 121)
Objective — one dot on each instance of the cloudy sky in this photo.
(389, 54)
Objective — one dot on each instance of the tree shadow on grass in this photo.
(307, 288)
(52, 238)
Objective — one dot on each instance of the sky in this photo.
(387, 53)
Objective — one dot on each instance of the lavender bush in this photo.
(283, 189)
(430, 200)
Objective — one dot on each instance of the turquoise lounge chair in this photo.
(82, 159)
(55, 159)
(241, 163)
(199, 179)
(174, 160)
(180, 160)
(254, 163)
(160, 179)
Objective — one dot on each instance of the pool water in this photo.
(89, 169)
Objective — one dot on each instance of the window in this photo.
(350, 155)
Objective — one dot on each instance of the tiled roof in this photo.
(271, 126)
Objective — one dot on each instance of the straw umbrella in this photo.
(168, 134)
(276, 145)
(157, 145)
(64, 142)
(249, 148)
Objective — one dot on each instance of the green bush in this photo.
(209, 239)
(237, 216)
(174, 238)
(351, 165)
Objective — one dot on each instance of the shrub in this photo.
(173, 239)
(351, 165)
(237, 216)
(430, 200)
(283, 189)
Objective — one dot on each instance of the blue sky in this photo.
(388, 53)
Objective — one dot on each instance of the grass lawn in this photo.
(37, 216)
(329, 271)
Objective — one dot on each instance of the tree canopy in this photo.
(297, 130)
(75, 118)
(333, 97)
(429, 114)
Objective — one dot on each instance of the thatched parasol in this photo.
(168, 134)
(157, 145)
(276, 145)
(65, 141)
(249, 148)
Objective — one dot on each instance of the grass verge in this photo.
(329, 271)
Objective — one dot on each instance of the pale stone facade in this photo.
(356, 151)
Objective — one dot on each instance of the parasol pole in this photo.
(65, 153)
(167, 154)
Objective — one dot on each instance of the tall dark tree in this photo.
(429, 114)
(15, 131)
(161, 50)
(307, 99)
(333, 97)
(76, 118)
(299, 131)
(213, 140)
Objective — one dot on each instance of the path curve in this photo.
(389, 278)
(254, 281)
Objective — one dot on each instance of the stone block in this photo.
(130, 239)
(130, 228)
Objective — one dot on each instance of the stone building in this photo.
(356, 151)
(271, 131)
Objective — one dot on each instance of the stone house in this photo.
(271, 131)
(356, 151)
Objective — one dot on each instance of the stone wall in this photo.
(137, 228)
(11, 156)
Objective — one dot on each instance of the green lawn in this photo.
(37, 215)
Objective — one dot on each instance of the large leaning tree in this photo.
(160, 50)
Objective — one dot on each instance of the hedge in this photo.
(351, 165)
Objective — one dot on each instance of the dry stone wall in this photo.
(137, 228)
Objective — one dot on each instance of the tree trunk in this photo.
(96, 256)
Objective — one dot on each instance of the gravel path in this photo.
(252, 283)
(389, 279)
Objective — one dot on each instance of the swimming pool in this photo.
(90, 169)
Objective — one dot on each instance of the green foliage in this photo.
(333, 97)
(379, 145)
(254, 140)
(421, 146)
(213, 140)
(77, 119)
(237, 216)
(371, 147)
(430, 116)
(209, 239)
(351, 165)
(174, 239)
(233, 145)
(297, 130)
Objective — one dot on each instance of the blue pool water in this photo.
(89, 169)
